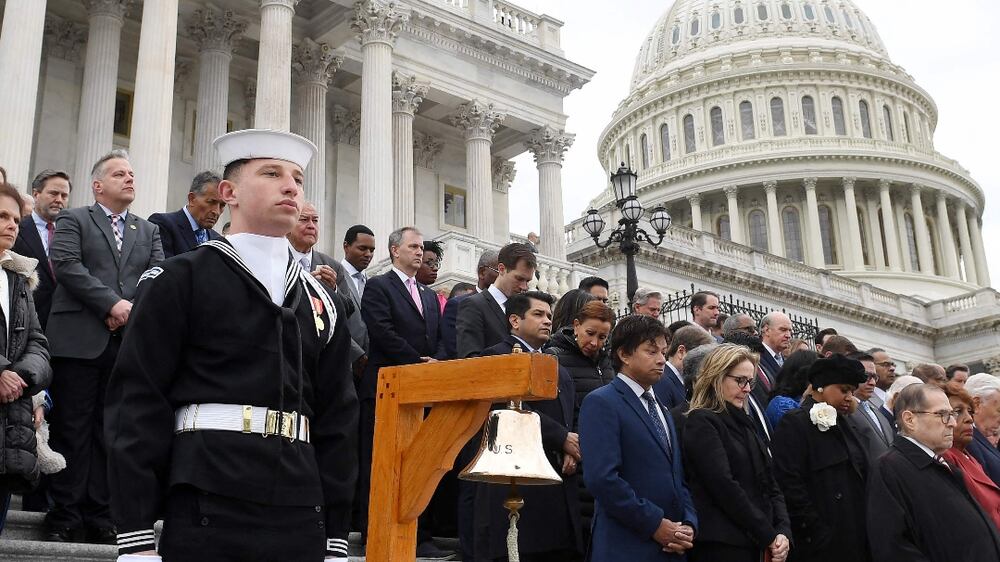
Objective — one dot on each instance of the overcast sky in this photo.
(950, 47)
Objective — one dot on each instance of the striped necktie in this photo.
(117, 230)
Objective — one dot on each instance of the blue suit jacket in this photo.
(449, 333)
(636, 481)
(176, 234)
(669, 391)
(986, 454)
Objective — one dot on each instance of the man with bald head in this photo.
(302, 241)
(775, 333)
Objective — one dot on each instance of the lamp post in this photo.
(628, 234)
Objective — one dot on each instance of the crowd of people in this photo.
(160, 356)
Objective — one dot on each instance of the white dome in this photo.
(708, 29)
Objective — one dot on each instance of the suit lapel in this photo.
(34, 243)
(640, 410)
(104, 224)
(497, 311)
(982, 440)
(182, 222)
(129, 233)
(396, 282)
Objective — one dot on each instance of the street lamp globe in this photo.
(632, 209)
(594, 223)
(660, 220)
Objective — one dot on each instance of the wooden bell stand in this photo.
(411, 453)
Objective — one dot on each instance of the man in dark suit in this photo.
(551, 530)
(669, 389)
(775, 333)
(917, 501)
(985, 391)
(486, 273)
(359, 247)
(98, 254)
(51, 190)
(182, 230)
(406, 316)
(482, 321)
(866, 419)
(302, 242)
(644, 511)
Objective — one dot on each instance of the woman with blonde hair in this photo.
(741, 512)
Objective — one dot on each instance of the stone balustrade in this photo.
(539, 29)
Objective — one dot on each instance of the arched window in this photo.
(826, 234)
(839, 125)
(808, 12)
(695, 26)
(906, 127)
(675, 35)
(722, 228)
(866, 121)
(738, 15)
(762, 14)
(665, 142)
(716, 20)
(792, 229)
(828, 12)
(847, 18)
(881, 229)
(887, 116)
(786, 10)
(689, 142)
(746, 120)
(758, 230)
(718, 132)
(864, 238)
(628, 156)
(644, 147)
(809, 115)
(777, 116)
(911, 242)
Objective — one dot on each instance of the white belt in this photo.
(245, 419)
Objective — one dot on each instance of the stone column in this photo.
(947, 238)
(154, 99)
(478, 121)
(95, 125)
(776, 240)
(814, 256)
(548, 146)
(968, 258)
(924, 252)
(982, 268)
(904, 240)
(274, 65)
(855, 251)
(892, 243)
(20, 64)
(735, 224)
(377, 25)
(407, 94)
(313, 65)
(875, 233)
(695, 201)
(216, 33)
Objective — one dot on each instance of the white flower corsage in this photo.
(823, 416)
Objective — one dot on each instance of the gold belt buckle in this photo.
(270, 423)
(290, 425)
(247, 418)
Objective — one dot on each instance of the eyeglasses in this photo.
(743, 382)
(945, 416)
(493, 269)
(872, 376)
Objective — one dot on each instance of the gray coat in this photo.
(93, 277)
(349, 291)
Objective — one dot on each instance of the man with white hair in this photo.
(890, 397)
(775, 333)
(647, 302)
(985, 391)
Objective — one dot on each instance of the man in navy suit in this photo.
(632, 457)
(670, 388)
(486, 273)
(404, 319)
(50, 189)
(182, 230)
(985, 391)
(775, 333)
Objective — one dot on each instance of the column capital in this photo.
(377, 22)
(548, 144)
(478, 120)
(407, 93)
(216, 30)
(942, 196)
(503, 174)
(848, 182)
(345, 125)
(314, 63)
(730, 191)
(425, 150)
(770, 186)
(916, 188)
(809, 183)
(63, 38)
(113, 8)
(694, 199)
(290, 4)
(884, 184)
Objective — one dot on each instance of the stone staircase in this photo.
(23, 541)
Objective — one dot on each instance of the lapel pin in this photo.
(132, 226)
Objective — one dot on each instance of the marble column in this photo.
(95, 125)
(982, 268)
(216, 33)
(924, 252)
(377, 25)
(548, 146)
(904, 239)
(407, 93)
(153, 107)
(695, 201)
(735, 224)
(478, 121)
(968, 258)
(948, 255)
(854, 250)
(274, 65)
(894, 256)
(776, 243)
(875, 233)
(20, 65)
(814, 256)
(313, 66)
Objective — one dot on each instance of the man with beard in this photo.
(182, 230)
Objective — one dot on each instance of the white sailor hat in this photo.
(264, 143)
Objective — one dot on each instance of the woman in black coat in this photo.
(822, 467)
(741, 512)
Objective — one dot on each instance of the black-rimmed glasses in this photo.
(743, 382)
(945, 416)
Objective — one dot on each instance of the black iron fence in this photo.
(677, 306)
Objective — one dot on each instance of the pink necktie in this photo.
(412, 284)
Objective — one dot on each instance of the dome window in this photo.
(695, 26)
(689, 142)
(911, 239)
(716, 20)
(722, 228)
(786, 10)
(887, 117)
(847, 18)
(808, 12)
(628, 156)
(758, 230)
(675, 35)
(791, 227)
(839, 125)
(665, 142)
(777, 117)
(746, 120)
(762, 14)
(644, 147)
(826, 235)
(866, 121)
(830, 18)
(738, 16)
(718, 132)
(906, 127)
(809, 115)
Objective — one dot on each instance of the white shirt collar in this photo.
(677, 373)
(108, 212)
(191, 221)
(923, 447)
(498, 296)
(402, 276)
(267, 258)
(349, 268)
(636, 387)
(39, 221)
(297, 256)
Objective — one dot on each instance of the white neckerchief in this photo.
(267, 259)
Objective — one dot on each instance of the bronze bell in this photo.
(511, 451)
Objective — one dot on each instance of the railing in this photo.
(540, 30)
(513, 18)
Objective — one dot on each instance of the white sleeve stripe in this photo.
(135, 542)
(133, 534)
